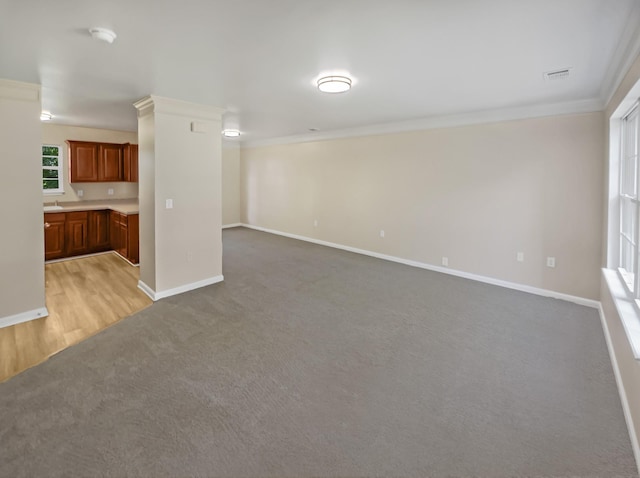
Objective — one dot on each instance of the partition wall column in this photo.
(180, 195)
(22, 253)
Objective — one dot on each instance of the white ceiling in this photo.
(258, 59)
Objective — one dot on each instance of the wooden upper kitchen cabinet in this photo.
(83, 161)
(110, 162)
(54, 235)
(91, 162)
(134, 163)
(130, 154)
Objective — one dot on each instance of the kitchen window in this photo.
(52, 169)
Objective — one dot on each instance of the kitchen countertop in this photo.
(124, 206)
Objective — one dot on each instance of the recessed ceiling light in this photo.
(231, 133)
(45, 116)
(334, 84)
(103, 34)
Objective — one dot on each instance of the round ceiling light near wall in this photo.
(231, 133)
(103, 34)
(334, 84)
(45, 116)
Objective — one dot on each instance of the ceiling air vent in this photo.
(557, 74)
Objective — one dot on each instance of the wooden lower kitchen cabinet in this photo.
(77, 233)
(125, 235)
(118, 232)
(133, 229)
(68, 234)
(99, 238)
(54, 235)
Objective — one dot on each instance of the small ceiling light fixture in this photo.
(334, 84)
(230, 133)
(103, 34)
(45, 116)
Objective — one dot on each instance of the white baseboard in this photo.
(83, 256)
(621, 390)
(23, 317)
(489, 280)
(124, 258)
(147, 290)
(236, 224)
(177, 290)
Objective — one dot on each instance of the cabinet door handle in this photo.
(47, 225)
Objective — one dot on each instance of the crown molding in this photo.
(17, 90)
(626, 53)
(144, 106)
(159, 104)
(434, 122)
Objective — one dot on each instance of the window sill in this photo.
(53, 193)
(626, 307)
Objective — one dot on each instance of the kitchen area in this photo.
(91, 236)
(90, 192)
(82, 197)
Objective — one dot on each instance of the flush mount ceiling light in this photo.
(45, 116)
(102, 34)
(231, 133)
(334, 84)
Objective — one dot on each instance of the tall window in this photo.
(52, 169)
(629, 251)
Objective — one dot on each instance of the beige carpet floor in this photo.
(309, 362)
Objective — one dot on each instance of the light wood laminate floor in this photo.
(83, 296)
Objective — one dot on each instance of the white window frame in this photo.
(629, 201)
(624, 297)
(59, 168)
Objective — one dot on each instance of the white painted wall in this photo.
(22, 239)
(147, 198)
(185, 166)
(230, 184)
(628, 366)
(475, 194)
(57, 134)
